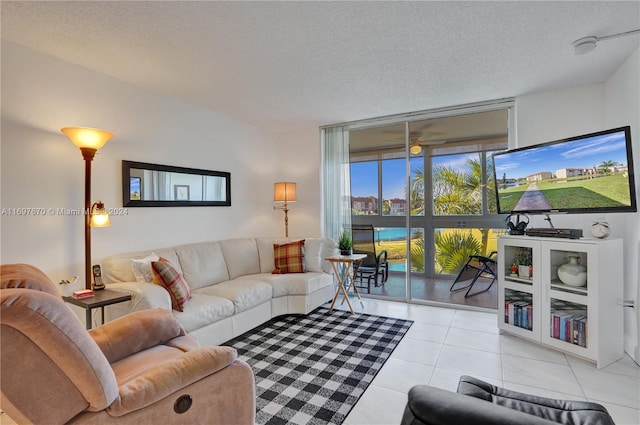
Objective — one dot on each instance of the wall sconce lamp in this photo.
(284, 192)
(89, 140)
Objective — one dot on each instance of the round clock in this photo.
(600, 229)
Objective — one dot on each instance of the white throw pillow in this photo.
(313, 257)
(142, 268)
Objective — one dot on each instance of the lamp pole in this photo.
(89, 140)
(87, 154)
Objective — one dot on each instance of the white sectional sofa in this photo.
(232, 286)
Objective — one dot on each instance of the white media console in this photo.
(586, 321)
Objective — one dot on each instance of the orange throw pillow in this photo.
(165, 275)
(289, 257)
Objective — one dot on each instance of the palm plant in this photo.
(455, 192)
(345, 244)
(606, 165)
(453, 250)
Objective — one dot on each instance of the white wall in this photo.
(622, 107)
(553, 115)
(41, 168)
(300, 157)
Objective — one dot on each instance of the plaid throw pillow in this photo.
(165, 275)
(289, 257)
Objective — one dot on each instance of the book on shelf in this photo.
(570, 326)
(518, 312)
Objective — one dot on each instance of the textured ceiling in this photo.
(290, 65)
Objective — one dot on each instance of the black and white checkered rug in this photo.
(313, 369)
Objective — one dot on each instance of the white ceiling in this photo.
(290, 65)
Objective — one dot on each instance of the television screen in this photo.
(583, 174)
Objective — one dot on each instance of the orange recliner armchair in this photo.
(138, 369)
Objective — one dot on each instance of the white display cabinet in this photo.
(581, 315)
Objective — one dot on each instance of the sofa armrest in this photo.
(169, 377)
(434, 406)
(144, 296)
(135, 332)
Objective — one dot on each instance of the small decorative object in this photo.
(573, 273)
(523, 260)
(530, 270)
(345, 244)
(68, 287)
(600, 229)
(514, 269)
(84, 293)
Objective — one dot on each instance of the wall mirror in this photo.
(155, 185)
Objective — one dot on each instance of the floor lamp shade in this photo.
(99, 215)
(284, 192)
(84, 137)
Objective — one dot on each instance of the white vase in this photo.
(573, 273)
(523, 272)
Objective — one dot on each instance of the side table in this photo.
(100, 299)
(342, 265)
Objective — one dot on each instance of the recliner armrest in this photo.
(135, 332)
(434, 406)
(559, 411)
(169, 377)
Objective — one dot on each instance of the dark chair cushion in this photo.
(559, 411)
(435, 406)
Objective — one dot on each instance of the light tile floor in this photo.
(444, 344)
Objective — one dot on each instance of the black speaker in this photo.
(515, 226)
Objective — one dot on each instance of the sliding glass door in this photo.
(425, 185)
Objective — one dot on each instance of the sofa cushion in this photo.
(265, 252)
(202, 310)
(118, 268)
(313, 254)
(165, 275)
(296, 284)
(142, 267)
(315, 251)
(329, 249)
(289, 257)
(245, 292)
(241, 256)
(202, 264)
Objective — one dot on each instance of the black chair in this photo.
(476, 267)
(480, 403)
(374, 268)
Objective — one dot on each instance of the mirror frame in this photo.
(126, 174)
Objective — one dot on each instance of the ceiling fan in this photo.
(419, 139)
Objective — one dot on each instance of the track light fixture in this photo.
(586, 44)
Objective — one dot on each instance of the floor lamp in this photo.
(284, 192)
(89, 140)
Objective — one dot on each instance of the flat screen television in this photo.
(592, 173)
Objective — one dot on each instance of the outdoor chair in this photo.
(477, 266)
(374, 268)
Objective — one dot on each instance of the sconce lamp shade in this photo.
(91, 138)
(284, 192)
(99, 215)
